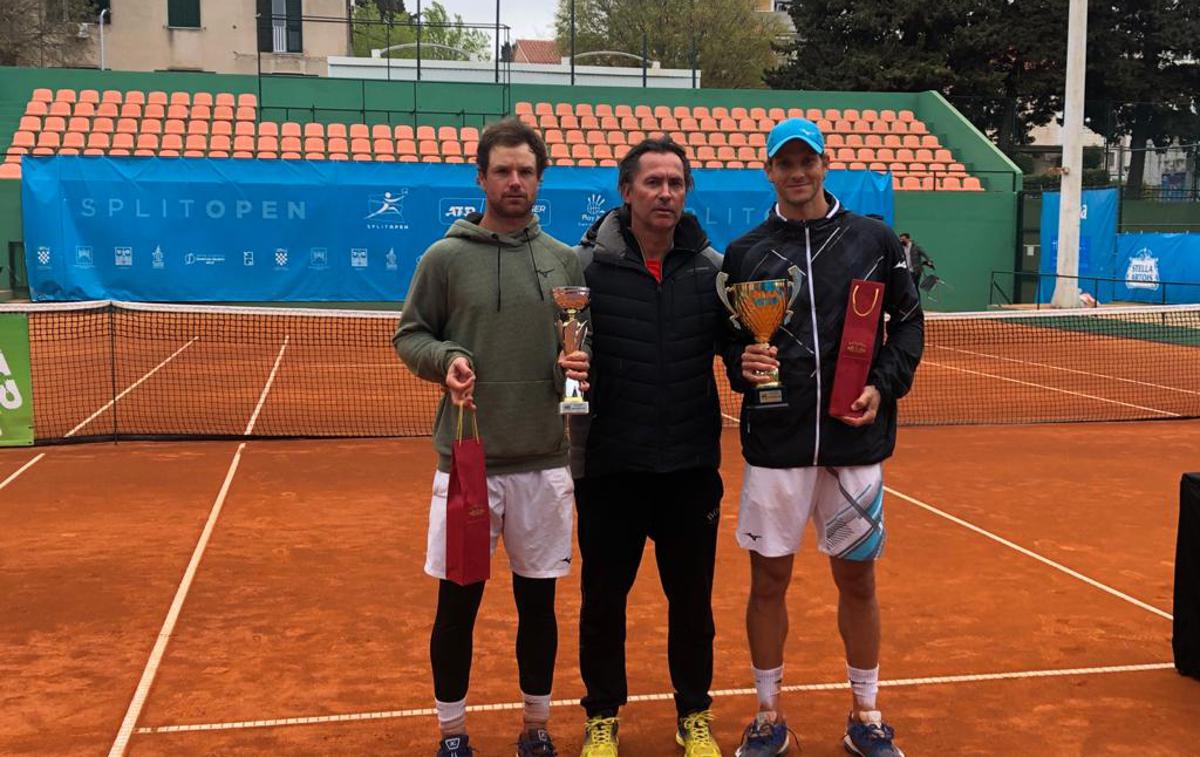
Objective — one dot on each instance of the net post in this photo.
(112, 363)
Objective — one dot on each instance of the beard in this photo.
(511, 208)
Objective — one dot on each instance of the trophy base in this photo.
(769, 397)
(573, 407)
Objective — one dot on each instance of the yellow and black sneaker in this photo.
(694, 734)
(600, 737)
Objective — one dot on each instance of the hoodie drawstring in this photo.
(537, 282)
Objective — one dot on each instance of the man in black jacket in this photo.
(645, 460)
(802, 463)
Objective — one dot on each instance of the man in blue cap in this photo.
(802, 463)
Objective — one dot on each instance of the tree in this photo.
(1000, 62)
(384, 23)
(728, 40)
(44, 32)
(1143, 78)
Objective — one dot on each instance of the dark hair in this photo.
(510, 133)
(905, 234)
(629, 163)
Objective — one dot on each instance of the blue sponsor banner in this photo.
(1159, 268)
(163, 229)
(1097, 242)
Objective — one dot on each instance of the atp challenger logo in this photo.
(450, 209)
(386, 211)
(1142, 272)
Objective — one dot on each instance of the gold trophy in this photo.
(761, 307)
(571, 300)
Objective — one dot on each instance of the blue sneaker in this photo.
(868, 736)
(766, 736)
(535, 743)
(454, 746)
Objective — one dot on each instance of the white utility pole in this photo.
(1066, 290)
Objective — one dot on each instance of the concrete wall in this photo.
(138, 39)
(405, 69)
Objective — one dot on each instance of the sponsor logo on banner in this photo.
(247, 257)
(386, 211)
(318, 258)
(123, 257)
(390, 261)
(450, 209)
(43, 257)
(281, 258)
(1142, 272)
(157, 258)
(358, 257)
(83, 257)
(595, 209)
(203, 258)
(541, 209)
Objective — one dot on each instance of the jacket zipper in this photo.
(812, 302)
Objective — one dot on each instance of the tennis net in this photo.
(109, 370)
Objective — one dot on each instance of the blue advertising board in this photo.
(170, 229)
(1097, 242)
(1159, 268)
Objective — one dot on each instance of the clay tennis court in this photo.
(266, 596)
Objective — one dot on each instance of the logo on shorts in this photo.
(566, 559)
(754, 537)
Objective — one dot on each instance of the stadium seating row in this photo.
(222, 125)
(701, 111)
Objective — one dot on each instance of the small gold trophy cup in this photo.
(571, 300)
(761, 307)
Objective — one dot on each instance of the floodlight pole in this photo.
(101, 25)
(1066, 286)
(572, 43)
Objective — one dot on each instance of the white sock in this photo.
(864, 684)
(452, 717)
(537, 710)
(768, 684)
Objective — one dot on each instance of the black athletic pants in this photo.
(681, 512)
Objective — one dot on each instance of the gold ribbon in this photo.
(474, 424)
(854, 302)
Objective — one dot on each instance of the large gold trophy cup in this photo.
(571, 300)
(761, 307)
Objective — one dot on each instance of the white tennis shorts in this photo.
(844, 504)
(535, 511)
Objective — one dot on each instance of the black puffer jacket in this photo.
(830, 252)
(654, 405)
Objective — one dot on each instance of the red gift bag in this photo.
(857, 348)
(468, 517)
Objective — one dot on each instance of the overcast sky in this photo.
(529, 19)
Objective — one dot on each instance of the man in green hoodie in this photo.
(480, 321)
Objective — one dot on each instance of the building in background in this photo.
(222, 36)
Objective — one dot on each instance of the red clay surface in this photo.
(310, 601)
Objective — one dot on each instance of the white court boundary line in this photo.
(840, 685)
(150, 671)
(1051, 388)
(93, 416)
(1064, 369)
(1029, 553)
(128, 389)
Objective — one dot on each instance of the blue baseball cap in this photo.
(795, 128)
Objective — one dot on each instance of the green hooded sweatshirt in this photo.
(488, 296)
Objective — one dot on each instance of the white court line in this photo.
(1051, 388)
(1068, 370)
(730, 417)
(121, 743)
(267, 389)
(129, 389)
(168, 626)
(1029, 553)
(840, 685)
(13, 476)
(94, 415)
